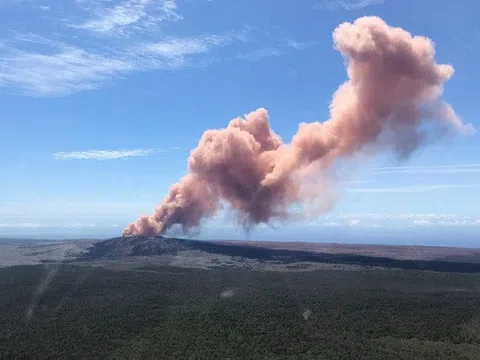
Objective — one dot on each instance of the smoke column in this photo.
(391, 101)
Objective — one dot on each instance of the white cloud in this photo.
(332, 224)
(422, 222)
(27, 40)
(299, 45)
(348, 5)
(373, 220)
(169, 7)
(354, 222)
(69, 59)
(179, 48)
(413, 188)
(130, 13)
(64, 69)
(101, 154)
(460, 222)
(69, 70)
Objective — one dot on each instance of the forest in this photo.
(58, 311)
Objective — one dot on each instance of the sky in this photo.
(102, 102)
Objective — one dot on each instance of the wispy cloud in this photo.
(430, 169)
(354, 222)
(349, 5)
(259, 54)
(358, 182)
(67, 225)
(281, 49)
(101, 41)
(299, 45)
(63, 210)
(331, 224)
(101, 154)
(65, 69)
(460, 222)
(181, 48)
(422, 222)
(19, 225)
(177, 47)
(401, 220)
(413, 188)
(129, 14)
(454, 222)
(399, 216)
(69, 70)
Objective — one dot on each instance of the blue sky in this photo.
(103, 100)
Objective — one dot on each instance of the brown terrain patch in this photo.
(401, 252)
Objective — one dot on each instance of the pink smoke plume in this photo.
(394, 87)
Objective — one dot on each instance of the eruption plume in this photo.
(391, 101)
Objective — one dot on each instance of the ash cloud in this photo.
(391, 102)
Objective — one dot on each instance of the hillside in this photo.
(236, 253)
